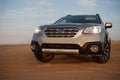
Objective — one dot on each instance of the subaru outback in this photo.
(73, 34)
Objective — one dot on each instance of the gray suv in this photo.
(73, 34)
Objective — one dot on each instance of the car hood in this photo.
(80, 26)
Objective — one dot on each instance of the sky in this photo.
(18, 18)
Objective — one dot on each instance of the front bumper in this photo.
(87, 48)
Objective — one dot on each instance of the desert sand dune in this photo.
(17, 62)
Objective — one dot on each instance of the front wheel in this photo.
(105, 55)
(44, 57)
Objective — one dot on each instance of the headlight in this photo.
(37, 30)
(95, 29)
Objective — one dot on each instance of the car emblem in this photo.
(60, 30)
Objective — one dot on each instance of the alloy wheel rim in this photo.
(105, 55)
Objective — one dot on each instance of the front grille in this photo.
(61, 31)
(60, 46)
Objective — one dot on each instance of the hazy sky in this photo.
(18, 18)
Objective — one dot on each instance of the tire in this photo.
(44, 57)
(105, 55)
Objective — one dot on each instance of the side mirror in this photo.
(108, 25)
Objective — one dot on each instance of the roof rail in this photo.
(97, 14)
(69, 15)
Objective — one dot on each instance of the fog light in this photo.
(94, 48)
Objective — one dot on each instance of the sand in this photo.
(17, 62)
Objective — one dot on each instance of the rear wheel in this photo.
(105, 55)
(44, 57)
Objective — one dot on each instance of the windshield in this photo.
(77, 19)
